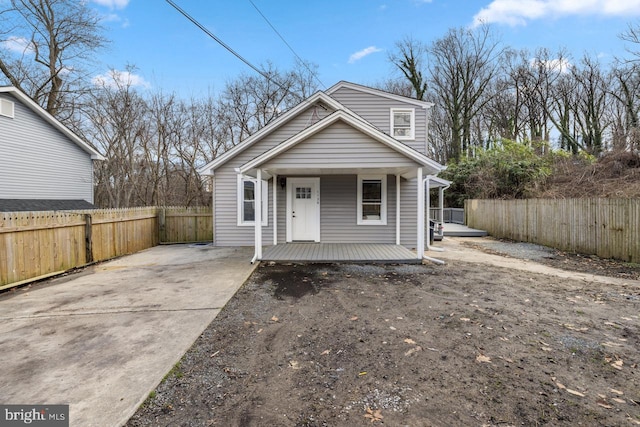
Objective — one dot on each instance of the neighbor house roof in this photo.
(31, 104)
(22, 205)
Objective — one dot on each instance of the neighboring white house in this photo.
(347, 165)
(43, 165)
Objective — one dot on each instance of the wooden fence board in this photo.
(609, 228)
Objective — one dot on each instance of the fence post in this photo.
(162, 228)
(88, 242)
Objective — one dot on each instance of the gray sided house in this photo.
(347, 165)
(43, 165)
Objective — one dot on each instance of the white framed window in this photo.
(247, 201)
(372, 200)
(6, 108)
(403, 123)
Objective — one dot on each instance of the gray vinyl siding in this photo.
(338, 212)
(377, 109)
(37, 161)
(227, 231)
(408, 212)
(340, 146)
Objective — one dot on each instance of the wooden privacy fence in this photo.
(185, 225)
(609, 228)
(40, 244)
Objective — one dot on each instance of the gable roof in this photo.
(378, 92)
(33, 106)
(354, 122)
(277, 123)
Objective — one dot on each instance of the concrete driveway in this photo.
(102, 339)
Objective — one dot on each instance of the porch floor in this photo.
(340, 252)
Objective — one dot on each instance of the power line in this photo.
(288, 45)
(226, 46)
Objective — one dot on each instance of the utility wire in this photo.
(226, 46)
(288, 45)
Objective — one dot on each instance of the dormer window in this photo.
(403, 123)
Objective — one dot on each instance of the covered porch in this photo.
(340, 252)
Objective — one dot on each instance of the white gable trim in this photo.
(286, 117)
(31, 104)
(377, 92)
(356, 123)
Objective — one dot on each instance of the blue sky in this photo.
(348, 39)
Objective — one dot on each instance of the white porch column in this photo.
(420, 236)
(397, 209)
(441, 204)
(427, 191)
(275, 209)
(258, 215)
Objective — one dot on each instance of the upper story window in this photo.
(403, 123)
(6, 108)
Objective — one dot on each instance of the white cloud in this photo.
(362, 53)
(112, 4)
(519, 12)
(115, 78)
(114, 17)
(18, 45)
(561, 65)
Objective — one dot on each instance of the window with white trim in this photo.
(247, 201)
(403, 123)
(6, 108)
(372, 200)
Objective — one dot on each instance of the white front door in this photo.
(303, 209)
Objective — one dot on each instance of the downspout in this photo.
(258, 217)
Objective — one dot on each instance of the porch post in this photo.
(441, 203)
(258, 215)
(420, 237)
(397, 209)
(275, 209)
(428, 211)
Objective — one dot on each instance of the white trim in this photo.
(364, 127)
(275, 209)
(291, 183)
(258, 221)
(420, 217)
(383, 204)
(30, 103)
(240, 200)
(277, 123)
(372, 91)
(412, 120)
(397, 209)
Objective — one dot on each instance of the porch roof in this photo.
(405, 163)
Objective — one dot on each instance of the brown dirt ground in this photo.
(414, 345)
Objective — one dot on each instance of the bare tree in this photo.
(57, 38)
(409, 58)
(462, 65)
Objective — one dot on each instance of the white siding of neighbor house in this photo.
(339, 146)
(377, 111)
(227, 232)
(38, 162)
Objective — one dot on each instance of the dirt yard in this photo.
(418, 345)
